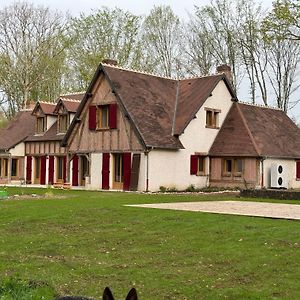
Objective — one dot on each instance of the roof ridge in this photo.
(260, 105)
(248, 130)
(69, 100)
(201, 76)
(175, 108)
(45, 102)
(72, 93)
(138, 71)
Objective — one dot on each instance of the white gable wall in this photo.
(18, 150)
(50, 121)
(172, 168)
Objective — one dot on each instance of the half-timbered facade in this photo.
(46, 159)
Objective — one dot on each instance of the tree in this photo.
(104, 34)
(162, 36)
(31, 54)
(284, 20)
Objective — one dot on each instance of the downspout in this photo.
(262, 171)
(147, 168)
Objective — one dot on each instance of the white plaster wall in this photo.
(96, 171)
(196, 136)
(142, 184)
(18, 150)
(172, 168)
(50, 121)
(289, 168)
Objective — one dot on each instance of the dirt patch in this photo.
(244, 208)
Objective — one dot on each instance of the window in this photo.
(197, 165)
(60, 168)
(103, 116)
(37, 167)
(298, 170)
(233, 167)
(14, 167)
(40, 125)
(212, 118)
(63, 123)
(118, 172)
(5, 167)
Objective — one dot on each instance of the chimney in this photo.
(110, 62)
(225, 69)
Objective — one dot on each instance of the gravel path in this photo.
(244, 208)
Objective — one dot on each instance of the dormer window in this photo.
(40, 125)
(63, 123)
(103, 116)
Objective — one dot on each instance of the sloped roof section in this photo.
(17, 130)
(274, 133)
(150, 103)
(250, 130)
(46, 107)
(233, 139)
(192, 94)
(73, 96)
(49, 135)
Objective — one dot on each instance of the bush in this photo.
(162, 189)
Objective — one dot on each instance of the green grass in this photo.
(88, 240)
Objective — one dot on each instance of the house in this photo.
(137, 131)
(46, 160)
(12, 147)
(251, 141)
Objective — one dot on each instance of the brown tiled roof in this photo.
(49, 135)
(70, 105)
(257, 131)
(159, 108)
(234, 138)
(47, 108)
(150, 102)
(192, 94)
(17, 130)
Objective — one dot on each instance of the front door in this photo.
(84, 170)
(118, 175)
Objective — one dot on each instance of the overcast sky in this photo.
(180, 7)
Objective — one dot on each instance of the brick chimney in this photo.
(225, 69)
(110, 62)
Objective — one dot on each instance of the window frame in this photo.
(17, 168)
(214, 120)
(40, 129)
(234, 165)
(66, 125)
(99, 117)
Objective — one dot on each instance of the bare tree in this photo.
(162, 35)
(107, 33)
(31, 54)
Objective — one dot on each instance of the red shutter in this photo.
(28, 169)
(43, 170)
(297, 169)
(105, 171)
(65, 169)
(194, 164)
(51, 170)
(113, 116)
(127, 170)
(75, 171)
(92, 117)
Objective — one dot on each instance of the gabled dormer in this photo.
(65, 111)
(45, 117)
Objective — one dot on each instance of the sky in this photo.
(139, 7)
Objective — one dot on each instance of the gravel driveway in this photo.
(244, 208)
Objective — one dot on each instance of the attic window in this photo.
(63, 123)
(40, 125)
(212, 118)
(103, 117)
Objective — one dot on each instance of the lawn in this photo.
(78, 242)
